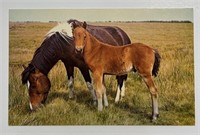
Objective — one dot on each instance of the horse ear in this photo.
(84, 25)
(24, 67)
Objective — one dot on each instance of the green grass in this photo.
(175, 81)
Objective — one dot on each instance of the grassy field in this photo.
(175, 81)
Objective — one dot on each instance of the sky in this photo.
(45, 15)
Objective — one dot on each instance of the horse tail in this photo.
(26, 73)
(156, 63)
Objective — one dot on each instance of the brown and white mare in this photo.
(104, 59)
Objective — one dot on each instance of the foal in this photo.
(104, 59)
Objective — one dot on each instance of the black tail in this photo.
(25, 74)
(156, 63)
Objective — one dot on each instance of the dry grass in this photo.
(175, 81)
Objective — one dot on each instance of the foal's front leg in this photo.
(98, 78)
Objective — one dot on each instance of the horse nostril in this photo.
(79, 50)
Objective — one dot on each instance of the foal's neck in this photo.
(91, 43)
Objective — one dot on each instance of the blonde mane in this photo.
(63, 28)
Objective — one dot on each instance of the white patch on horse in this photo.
(28, 84)
(63, 28)
(123, 90)
(117, 95)
(31, 107)
(91, 89)
(120, 93)
(129, 68)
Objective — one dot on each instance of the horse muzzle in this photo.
(79, 50)
(35, 107)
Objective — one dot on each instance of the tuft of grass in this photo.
(175, 81)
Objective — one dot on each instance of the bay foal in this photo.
(104, 59)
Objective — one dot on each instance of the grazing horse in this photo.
(112, 35)
(57, 45)
(103, 59)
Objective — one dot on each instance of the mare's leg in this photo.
(154, 95)
(86, 75)
(120, 88)
(70, 75)
(98, 78)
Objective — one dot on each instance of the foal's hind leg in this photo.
(120, 88)
(154, 95)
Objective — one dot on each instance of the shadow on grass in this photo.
(135, 110)
(83, 97)
(54, 95)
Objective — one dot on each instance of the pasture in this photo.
(175, 81)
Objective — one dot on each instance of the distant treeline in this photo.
(173, 21)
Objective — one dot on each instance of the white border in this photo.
(62, 4)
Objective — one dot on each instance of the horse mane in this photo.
(63, 28)
(50, 51)
(26, 73)
(74, 23)
(54, 38)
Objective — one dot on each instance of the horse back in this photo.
(120, 35)
(109, 34)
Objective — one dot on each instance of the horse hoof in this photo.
(100, 109)
(71, 97)
(155, 117)
(106, 104)
(95, 102)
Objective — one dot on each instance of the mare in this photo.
(103, 59)
(112, 35)
(58, 45)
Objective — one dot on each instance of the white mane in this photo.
(63, 28)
